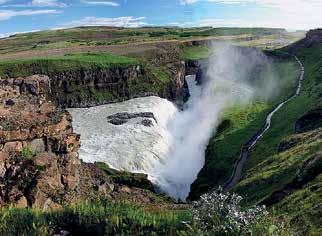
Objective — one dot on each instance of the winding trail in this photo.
(237, 172)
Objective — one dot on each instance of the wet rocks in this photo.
(147, 123)
(124, 117)
(310, 121)
(10, 102)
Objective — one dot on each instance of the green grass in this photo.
(56, 64)
(290, 169)
(195, 53)
(304, 208)
(129, 179)
(309, 99)
(100, 218)
(240, 123)
(276, 172)
(27, 153)
(95, 36)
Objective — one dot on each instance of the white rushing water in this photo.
(172, 151)
(138, 148)
(131, 146)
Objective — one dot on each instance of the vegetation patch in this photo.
(55, 64)
(195, 53)
(244, 121)
(28, 153)
(100, 218)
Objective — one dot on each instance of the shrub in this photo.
(219, 213)
(27, 153)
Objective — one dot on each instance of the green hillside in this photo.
(283, 169)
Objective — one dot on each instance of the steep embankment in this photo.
(83, 80)
(237, 172)
(287, 166)
(241, 122)
(39, 165)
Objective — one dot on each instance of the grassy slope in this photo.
(293, 170)
(96, 36)
(284, 120)
(195, 53)
(100, 218)
(304, 207)
(241, 123)
(274, 171)
(55, 64)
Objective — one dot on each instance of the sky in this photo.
(33, 15)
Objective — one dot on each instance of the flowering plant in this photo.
(221, 212)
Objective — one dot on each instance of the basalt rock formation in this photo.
(39, 165)
(313, 37)
(310, 121)
(124, 117)
(86, 88)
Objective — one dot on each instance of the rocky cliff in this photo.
(39, 165)
(85, 88)
(313, 37)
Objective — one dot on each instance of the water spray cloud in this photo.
(231, 77)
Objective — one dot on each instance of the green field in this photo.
(195, 53)
(99, 218)
(56, 64)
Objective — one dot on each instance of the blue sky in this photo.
(32, 15)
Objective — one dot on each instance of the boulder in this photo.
(22, 202)
(12, 147)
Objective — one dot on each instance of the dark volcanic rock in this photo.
(86, 88)
(313, 37)
(310, 121)
(200, 76)
(117, 121)
(123, 117)
(10, 102)
(147, 123)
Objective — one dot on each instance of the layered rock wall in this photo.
(39, 165)
(86, 88)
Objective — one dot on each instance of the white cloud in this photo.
(187, 2)
(47, 3)
(7, 14)
(126, 21)
(295, 14)
(38, 3)
(106, 3)
(4, 1)
(5, 35)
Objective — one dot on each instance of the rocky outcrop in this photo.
(39, 165)
(313, 37)
(124, 117)
(86, 88)
(310, 121)
(191, 67)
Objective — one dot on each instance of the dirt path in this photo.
(237, 173)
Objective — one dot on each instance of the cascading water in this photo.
(130, 146)
(169, 145)
(147, 149)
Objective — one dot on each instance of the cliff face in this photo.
(39, 165)
(313, 37)
(85, 88)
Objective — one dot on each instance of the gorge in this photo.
(169, 144)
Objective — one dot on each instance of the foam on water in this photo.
(133, 146)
